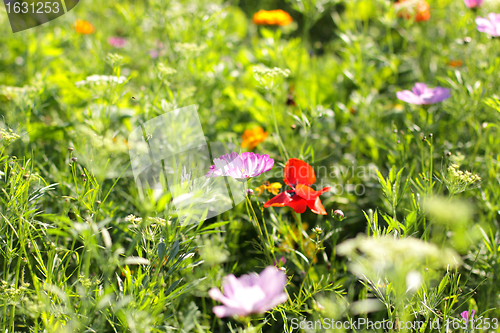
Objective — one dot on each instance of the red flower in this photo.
(299, 176)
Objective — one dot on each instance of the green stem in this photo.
(316, 250)
(281, 146)
(253, 217)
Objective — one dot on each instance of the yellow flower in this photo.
(251, 138)
(272, 17)
(84, 27)
(273, 188)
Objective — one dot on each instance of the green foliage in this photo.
(84, 249)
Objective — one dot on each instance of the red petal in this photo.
(298, 204)
(298, 172)
(316, 206)
(288, 199)
(308, 193)
(280, 200)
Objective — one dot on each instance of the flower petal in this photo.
(272, 281)
(419, 88)
(298, 204)
(308, 193)
(298, 172)
(281, 200)
(268, 304)
(226, 311)
(316, 206)
(408, 97)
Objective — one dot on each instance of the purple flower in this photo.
(473, 3)
(246, 165)
(491, 25)
(250, 293)
(421, 94)
(465, 315)
(117, 42)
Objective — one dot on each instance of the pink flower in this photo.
(281, 262)
(250, 293)
(491, 25)
(465, 315)
(117, 42)
(421, 94)
(473, 3)
(246, 165)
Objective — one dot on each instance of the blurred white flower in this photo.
(413, 281)
(101, 79)
(393, 258)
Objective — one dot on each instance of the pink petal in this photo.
(408, 97)
(272, 281)
(225, 311)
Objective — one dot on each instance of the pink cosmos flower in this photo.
(246, 165)
(117, 42)
(421, 94)
(473, 3)
(465, 315)
(491, 25)
(250, 293)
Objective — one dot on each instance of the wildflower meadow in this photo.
(250, 166)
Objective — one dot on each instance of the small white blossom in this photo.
(101, 79)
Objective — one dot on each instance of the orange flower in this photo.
(455, 63)
(419, 8)
(272, 17)
(251, 138)
(84, 27)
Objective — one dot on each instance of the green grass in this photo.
(84, 249)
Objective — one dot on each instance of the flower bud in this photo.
(249, 192)
(338, 214)
(74, 159)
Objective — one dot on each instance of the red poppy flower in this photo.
(299, 176)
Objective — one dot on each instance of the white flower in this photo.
(101, 79)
